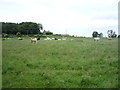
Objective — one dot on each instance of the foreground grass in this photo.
(0, 62)
(81, 63)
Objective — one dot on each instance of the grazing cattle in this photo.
(56, 39)
(97, 39)
(53, 38)
(63, 38)
(59, 39)
(20, 38)
(45, 39)
(38, 38)
(109, 38)
(34, 40)
(48, 38)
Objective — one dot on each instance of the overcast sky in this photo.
(74, 17)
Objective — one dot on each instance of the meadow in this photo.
(80, 63)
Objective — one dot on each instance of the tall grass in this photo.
(0, 61)
(81, 63)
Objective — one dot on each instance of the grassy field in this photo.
(81, 63)
(0, 62)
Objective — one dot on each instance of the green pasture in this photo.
(80, 63)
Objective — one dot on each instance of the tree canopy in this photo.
(23, 28)
(111, 34)
(95, 34)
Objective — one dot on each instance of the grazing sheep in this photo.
(109, 38)
(20, 38)
(45, 39)
(59, 39)
(53, 38)
(48, 38)
(63, 38)
(8, 38)
(38, 38)
(34, 40)
(56, 39)
(97, 39)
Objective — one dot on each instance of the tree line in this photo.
(24, 28)
(31, 28)
(111, 34)
(96, 34)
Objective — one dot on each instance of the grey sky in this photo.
(78, 17)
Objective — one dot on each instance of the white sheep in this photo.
(48, 38)
(63, 38)
(59, 39)
(20, 38)
(34, 40)
(53, 38)
(45, 39)
(97, 39)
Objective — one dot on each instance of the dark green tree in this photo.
(49, 33)
(95, 34)
(9, 28)
(40, 28)
(118, 36)
(111, 34)
(29, 28)
(114, 35)
(101, 35)
(4, 35)
(18, 34)
(23, 28)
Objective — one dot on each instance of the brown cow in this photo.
(109, 38)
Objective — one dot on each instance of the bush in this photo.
(4, 35)
(49, 33)
(36, 35)
(18, 34)
(31, 35)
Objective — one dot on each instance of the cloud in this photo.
(105, 15)
(78, 16)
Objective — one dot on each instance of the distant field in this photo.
(81, 63)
